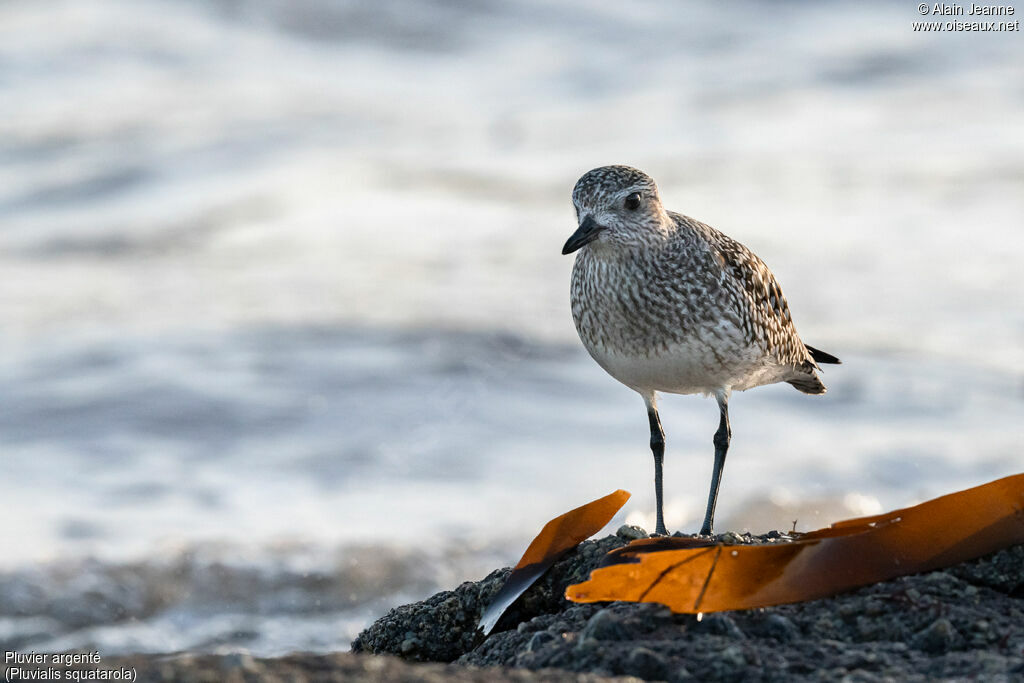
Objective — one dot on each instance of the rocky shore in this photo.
(340, 667)
(966, 622)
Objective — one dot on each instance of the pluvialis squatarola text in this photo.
(666, 303)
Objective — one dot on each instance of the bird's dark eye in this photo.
(632, 201)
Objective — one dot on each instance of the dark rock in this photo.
(999, 571)
(539, 639)
(646, 664)
(439, 629)
(681, 674)
(720, 624)
(630, 532)
(780, 628)
(939, 637)
(603, 626)
(445, 625)
(311, 668)
(896, 630)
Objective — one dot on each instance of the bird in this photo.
(665, 303)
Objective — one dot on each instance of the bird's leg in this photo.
(721, 440)
(658, 449)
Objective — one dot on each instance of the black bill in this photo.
(585, 234)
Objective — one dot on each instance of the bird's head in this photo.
(617, 206)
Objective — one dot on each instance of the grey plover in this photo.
(666, 303)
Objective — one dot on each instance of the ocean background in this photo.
(284, 325)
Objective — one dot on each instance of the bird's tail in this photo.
(821, 356)
(809, 384)
(808, 381)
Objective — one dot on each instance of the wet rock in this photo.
(780, 628)
(720, 624)
(733, 656)
(681, 675)
(731, 538)
(647, 664)
(727, 664)
(324, 668)
(630, 532)
(999, 571)
(895, 630)
(438, 629)
(603, 626)
(539, 639)
(939, 637)
(862, 677)
(444, 626)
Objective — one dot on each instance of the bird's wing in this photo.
(765, 309)
(757, 281)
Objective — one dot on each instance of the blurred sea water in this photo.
(284, 326)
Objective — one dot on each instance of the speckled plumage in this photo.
(666, 303)
(680, 297)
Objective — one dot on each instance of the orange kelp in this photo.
(690, 575)
(558, 536)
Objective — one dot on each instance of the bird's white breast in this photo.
(693, 366)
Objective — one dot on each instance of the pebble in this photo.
(941, 636)
(733, 656)
(780, 628)
(720, 624)
(410, 645)
(647, 664)
(539, 640)
(631, 532)
(603, 626)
